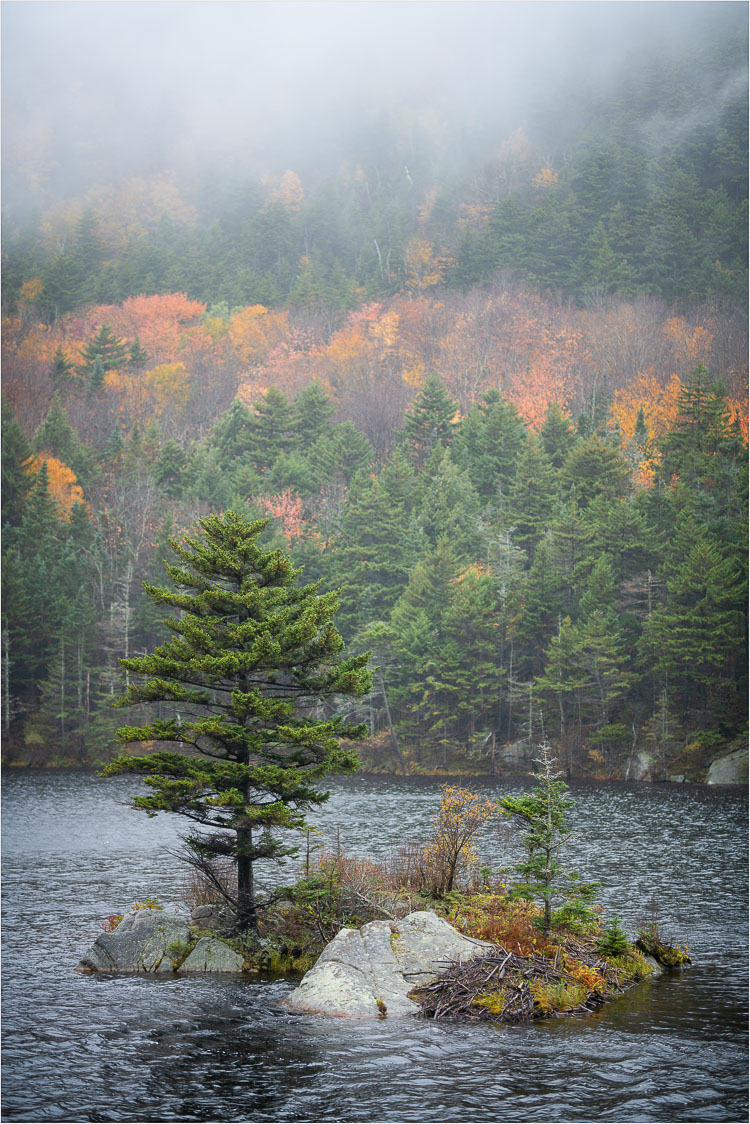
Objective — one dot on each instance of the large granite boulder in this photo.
(212, 955)
(370, 971)
(138, 944)
(730, 769)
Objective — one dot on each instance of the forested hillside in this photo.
(499, 401)
(635, 187)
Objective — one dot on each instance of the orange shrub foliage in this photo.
(286, 509)
(456, 824)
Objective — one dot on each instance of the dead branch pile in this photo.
(504, 986)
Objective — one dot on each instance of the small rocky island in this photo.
(419, 964)
(427, 931)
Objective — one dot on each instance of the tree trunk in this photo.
(6, 676)
(394, 739)
(247, 917)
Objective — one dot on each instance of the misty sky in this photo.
(98, 90)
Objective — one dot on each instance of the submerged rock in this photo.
(138, 944)
(370, 971)
(212, 955)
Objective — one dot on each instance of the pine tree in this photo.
(532, 497)
(104, 346)
(231, 436)
(340, 452)
(558, 435)
(449, 505)
(138, 357)
(16, 481)
(704, 452)
(431, 420)
(593, 467)
(543, 813)
(61, 371)
(251, 655)
(697, 639)
(56, 435)
(95, 377)
(312, 411)
(370, 556)
(488, 443)
(417, 621)
(564, 677)
(272, 428)
(171, 468)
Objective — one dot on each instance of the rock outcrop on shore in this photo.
(369, 972)
(138, 944)
(732, 768)
(154, 941)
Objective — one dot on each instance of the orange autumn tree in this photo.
(286, 509)
(423, 267)
(656, 403)
(164, 324)
(254, 331)
(61, 481)
(143, 396)
(690, 344)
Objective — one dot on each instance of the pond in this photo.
(87, 1048)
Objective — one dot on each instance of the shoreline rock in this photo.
(732, 768)
(154, 942)
(138, 945)
(211, 955)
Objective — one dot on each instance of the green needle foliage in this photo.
(543, 814)
(239, 686)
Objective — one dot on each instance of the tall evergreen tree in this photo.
(431, 420)
(56, 435)
(532, 497)
(312, 411)
(487, 444)
(61, 370)
(370, 556)
(594, 467)
(272, 428)
(251, 655)
(558, 435)
(449, 505)
(697, 640)
(106, 347)
(16, 453)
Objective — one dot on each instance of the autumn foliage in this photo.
(373, 361)
(61, 481)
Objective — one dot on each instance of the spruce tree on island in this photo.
(252, 655)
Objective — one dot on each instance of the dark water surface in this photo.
(87, 1048)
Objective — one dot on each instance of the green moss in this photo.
(178, 951)
(633, 965)
(493, 1001)
(562, 996)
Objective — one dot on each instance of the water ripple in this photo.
(137, 1049)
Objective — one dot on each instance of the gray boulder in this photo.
(138, 944)
(370, 971)
(730, 769)
(212, 955)
(639, 766)
(214, 916)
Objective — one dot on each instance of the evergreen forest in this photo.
(499, 403)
